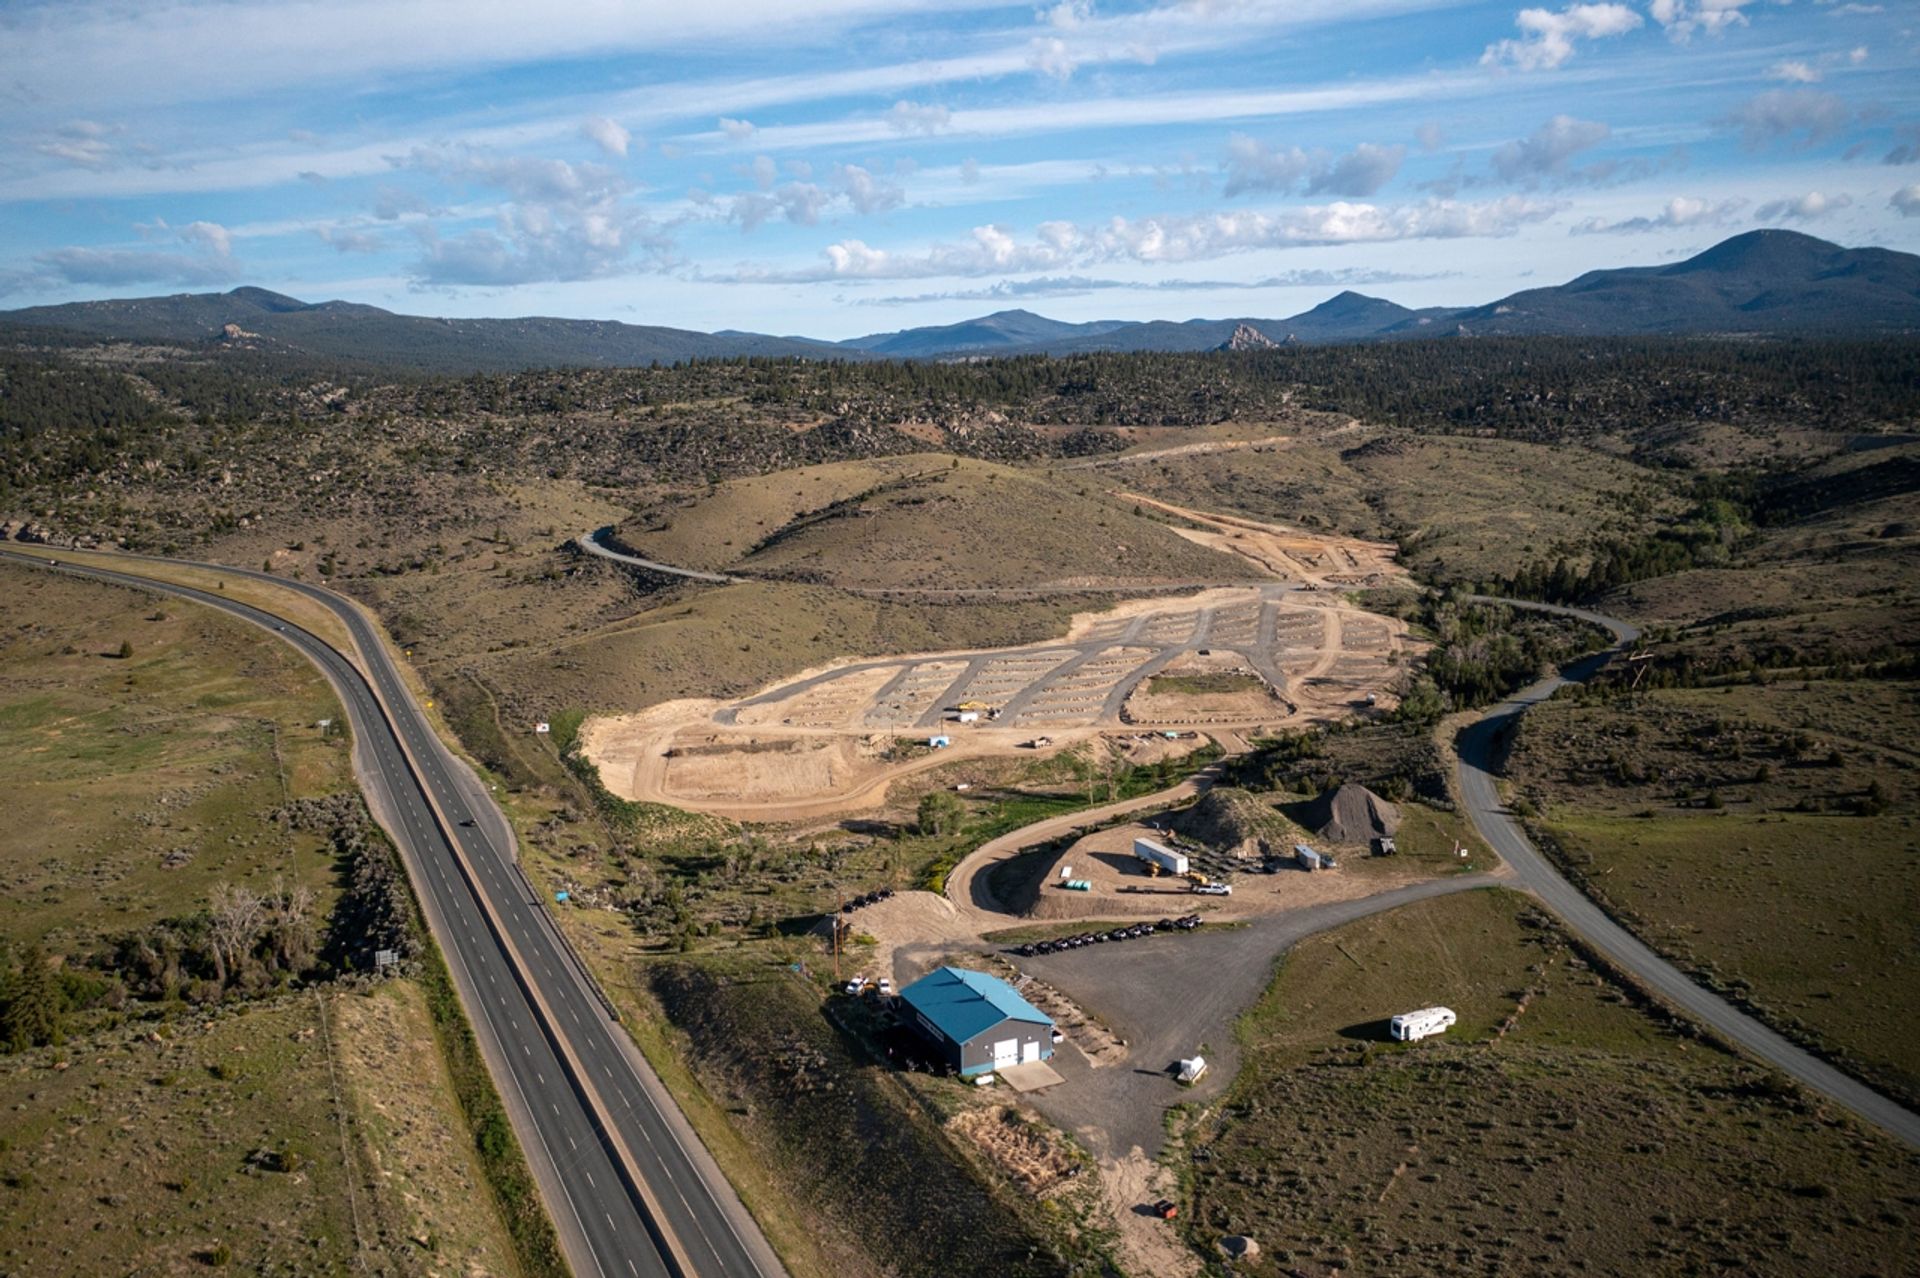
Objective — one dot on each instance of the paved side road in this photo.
(1479, 747)
(539, 1024)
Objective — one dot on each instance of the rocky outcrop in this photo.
(1248, 338)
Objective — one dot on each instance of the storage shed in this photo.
(977, 1022)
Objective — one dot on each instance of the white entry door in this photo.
(1006, 1052)
(1030, 1051)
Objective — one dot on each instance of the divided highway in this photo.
(1479, 747)
(630, 1190)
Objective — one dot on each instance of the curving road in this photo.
(595, 543)
(630, 1190)
(1479, 746)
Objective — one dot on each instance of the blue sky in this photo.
(835, 167)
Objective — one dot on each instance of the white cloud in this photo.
(1547, 38)
(804, 203)
(161, 51)
(1683, 18)
(609, 135)
(1080, 285)
(1906, 201)
(1805, 116)
(1056, 246)
(1068, 14)
(1252, 165)
(209, 235)
(737, 130)
(205, 258)
(1794, 72)
(1049, 55)
(866, 193)
(1810, 207)
(1680, 212)
(914, 117)
(564, 222)
(1545, 152)
(343, 240)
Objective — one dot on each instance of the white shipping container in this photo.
(1164, 857)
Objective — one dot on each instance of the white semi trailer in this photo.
(1169, 861)
(1424, 1023)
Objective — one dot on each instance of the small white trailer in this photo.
(1424, 1023)
(1307, 857)
(1191, 1070)
(1159, 854)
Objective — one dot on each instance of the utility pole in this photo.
(840, 912)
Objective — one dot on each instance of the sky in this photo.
(839, 167)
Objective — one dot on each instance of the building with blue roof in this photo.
(977, 1022)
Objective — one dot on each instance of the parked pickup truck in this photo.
(1213, 889)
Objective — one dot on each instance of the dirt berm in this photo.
(1236, 822)
(1350, 814)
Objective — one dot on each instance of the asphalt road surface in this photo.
(539, 1023)
(1479, 746)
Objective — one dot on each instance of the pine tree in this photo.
(35, 1010)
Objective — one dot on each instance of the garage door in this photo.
(1030, 1051)
(1006, 1052)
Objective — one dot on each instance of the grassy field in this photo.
(925, 522)
(1737, 829)
(258, 1138)
(136, 783)
(1465, 508)
(268, 1134)
(1557, 1129)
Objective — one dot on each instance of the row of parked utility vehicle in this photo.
(870, 898)
(1184, 924)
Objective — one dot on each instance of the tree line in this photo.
(241, 942)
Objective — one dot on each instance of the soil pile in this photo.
(1236, 822)
(1351, 814)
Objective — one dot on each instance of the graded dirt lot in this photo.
(833, 740)
(1320, 560)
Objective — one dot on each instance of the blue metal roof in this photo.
(962, 1004)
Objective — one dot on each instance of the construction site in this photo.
(1240, 659)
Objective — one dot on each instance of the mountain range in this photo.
(1772, 282)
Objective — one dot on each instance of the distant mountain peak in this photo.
(1767, 249)
(267, 299)
(1248, 338)
(1769, 281)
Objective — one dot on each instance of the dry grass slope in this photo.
(1481, 1152)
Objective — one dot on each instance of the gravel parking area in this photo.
(1166, 995)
